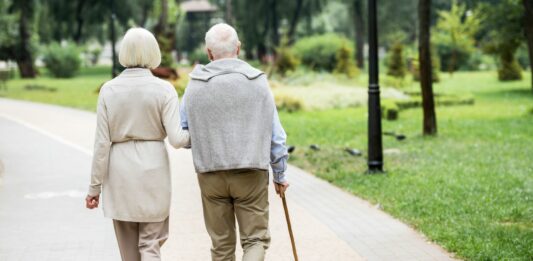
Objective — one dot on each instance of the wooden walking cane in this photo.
(282, 195)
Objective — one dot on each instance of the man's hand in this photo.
(281, 188)
(92, 202)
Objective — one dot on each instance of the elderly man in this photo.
(235, 134)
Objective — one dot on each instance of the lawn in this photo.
(470, 188)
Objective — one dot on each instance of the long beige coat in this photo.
(135, 112)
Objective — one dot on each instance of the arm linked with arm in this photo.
(177, 136)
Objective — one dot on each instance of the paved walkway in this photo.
(45, 154)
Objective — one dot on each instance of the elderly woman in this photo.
(135, 112)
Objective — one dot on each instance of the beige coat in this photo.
(135, 112)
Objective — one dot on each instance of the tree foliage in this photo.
(504, 35)
(396, 62)
(454, 35)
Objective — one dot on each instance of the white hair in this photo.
(139, 48)
(222, 41)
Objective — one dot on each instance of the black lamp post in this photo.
(112, 28)
(375, 147)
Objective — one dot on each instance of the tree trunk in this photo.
(528, 28)
(24, 57)
(79, 21)
(145, 12)
(359, 33)
(163, 18)
(426, 82)
(229, 12)
(275, 25)
(294, 20)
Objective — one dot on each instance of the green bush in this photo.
(509, 69)
(199, 55)
(390, 110)
(165, 44)
(345, 62)
(396, 63)
(286, 61)
(62, 61)
(288, 103)
(320, 52)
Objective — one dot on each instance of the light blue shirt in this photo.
(278, 149)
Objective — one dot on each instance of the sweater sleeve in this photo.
(102, 145)
(177, 137)
(278, 150)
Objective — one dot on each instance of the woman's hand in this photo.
(92, 201)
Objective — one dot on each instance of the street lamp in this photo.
(375, 147)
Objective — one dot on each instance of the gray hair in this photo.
(222, 41)
(139, 48)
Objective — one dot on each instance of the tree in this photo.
(504, 34)
(17, 35)
(426, 83)
(528, 27)
(260, 23)
(455, 33)
(359, 32)
(396, 63)
(294, 20)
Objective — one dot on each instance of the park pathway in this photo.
(45, 154)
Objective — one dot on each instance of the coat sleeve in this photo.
(102, 145)
(177, 136)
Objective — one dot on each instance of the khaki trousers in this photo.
(140, 240)
(241, 194)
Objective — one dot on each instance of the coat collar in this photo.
(136, 72)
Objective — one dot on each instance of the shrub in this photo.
(95, 55)
(166, 45)
(39, 87)
(509, 69)
(286, 61)
(390, 110)
(396, 63)
(345, 62)
(320, 52)
(390, 81)
(199, 55)
(288, 103)
(62, 61)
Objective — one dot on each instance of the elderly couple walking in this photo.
(227, 117)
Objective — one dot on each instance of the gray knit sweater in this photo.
(230, 110)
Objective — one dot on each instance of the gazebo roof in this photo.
(197, 6)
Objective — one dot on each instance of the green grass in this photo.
(470, 188)
(78, 92)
